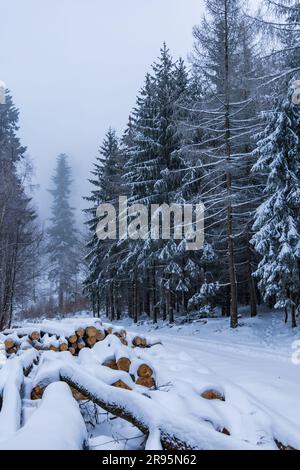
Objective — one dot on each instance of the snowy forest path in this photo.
(258, 379)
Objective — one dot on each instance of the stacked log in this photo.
(139, 371)
(46, 339)
(43, 341)
(111, 364)
(139, 342)
(121, 384)
(145, 375)
(123, 363)
(34, 335)
(148, 382)
(80, 332)
(211, 394)
(10, 346)
(38, 391)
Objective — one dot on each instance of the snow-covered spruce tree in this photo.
(290, 36)
(225, 119)
(277, 225)
(155, 176)
(282, 30)
(15, 210)
(62, 235)
(101, 283)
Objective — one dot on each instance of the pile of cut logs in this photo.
(43, 338)
(79, 339)
(140, 372)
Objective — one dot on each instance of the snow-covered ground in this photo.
(259, 363)
(255, 367)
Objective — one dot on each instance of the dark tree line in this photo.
(18, 232)
(225, 133)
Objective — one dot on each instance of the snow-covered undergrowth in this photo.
(250, 370)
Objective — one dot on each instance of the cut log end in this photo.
(111, 364)
(91, 331)
(91, 341)
(72, 339)
(80, 345)
(80, 332)
(123, 364)
(121, 384)
(144, 371)
(139, 342)
(78, 395)
(12, 351)
(212, 395)
(100, 335)
(9, 343)
(120, 333)
(37, 392)
(35, 335)
(148, 382)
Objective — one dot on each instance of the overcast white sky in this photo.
(74, 68)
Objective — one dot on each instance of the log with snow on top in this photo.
(123, 357)
(21, 332)
(56, 424)
(50, 342)
(176, 432)
(11, 381)
(143, 372)
(107, 349)
(111, 353)
(139, 341)
(100, 334)
(63, 344)
(90, 363)
(46, 373)
(72, 336)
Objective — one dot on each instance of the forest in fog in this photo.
(154, 304)
(223, 129)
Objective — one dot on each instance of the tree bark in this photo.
(251, 285)
(135, 298)
(231, 258)
(125, 410)
(170, 307)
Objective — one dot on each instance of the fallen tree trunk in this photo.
(175, 433)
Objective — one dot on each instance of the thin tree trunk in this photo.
(135, 299)
(98, 305)
(286, 315)
(293, 312)
(60, 297)
(171, 307)
(111, 301)
(251, 285)
(154, 295)
(164, 310)
(231, 262)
